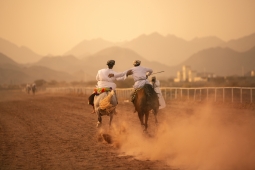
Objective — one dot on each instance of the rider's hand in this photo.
(129, 72)
(111, 75)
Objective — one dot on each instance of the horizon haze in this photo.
(54, 27)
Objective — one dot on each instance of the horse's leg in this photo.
(114, 102)
(99, 118)
(111, 116)
(97, 109)
(155, 115)
(141, 115)
(146, 121)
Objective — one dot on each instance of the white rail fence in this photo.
(216, 94)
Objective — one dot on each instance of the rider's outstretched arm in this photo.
(122, 75)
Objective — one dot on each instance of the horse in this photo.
(105, 104)
(28, 88)
(145, 100)
(33, 88)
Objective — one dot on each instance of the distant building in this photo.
(188, 75)
(192, 76)
(185, 72)
(252, 73)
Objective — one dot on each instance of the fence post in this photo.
(251, 95)
(241, 95)
(232, 95)
(215, 95)
(207, 94)
(188, 94)
(181, 93)
(175, 93)
(195, 94)
(165, 93)
(223, 94)
(200, 96)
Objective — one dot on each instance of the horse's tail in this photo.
(152, 97)
(150, 92)
(105, 103)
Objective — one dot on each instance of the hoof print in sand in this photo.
(103, 137)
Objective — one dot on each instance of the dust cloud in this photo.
(204, 138)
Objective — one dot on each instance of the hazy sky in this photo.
(55, 26)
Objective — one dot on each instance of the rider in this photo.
(156, 85)
(105, 82)
(140, 75)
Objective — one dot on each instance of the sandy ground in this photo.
(58, 131)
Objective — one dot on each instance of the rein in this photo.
(134, 94)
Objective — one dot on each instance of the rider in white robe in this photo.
(139, 73)
(156, 85)
(104, 81)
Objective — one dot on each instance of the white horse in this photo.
(105, 104)
(28, 88)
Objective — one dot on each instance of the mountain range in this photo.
(82, 62)
(91, 64)
(169, 50)
(19, 54)
(14, 73)
(220, 61)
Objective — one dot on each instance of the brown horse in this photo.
(33, 88)
(146, 101)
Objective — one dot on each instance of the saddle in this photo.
(149, 91)
(98, 91)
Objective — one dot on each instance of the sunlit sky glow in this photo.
(55, 26)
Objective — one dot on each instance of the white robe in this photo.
(104, 81)
(161, 99)
(139, 75)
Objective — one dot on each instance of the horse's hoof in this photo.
(145, 131)
(98, 124)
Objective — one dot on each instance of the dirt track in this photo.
(57, 131)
